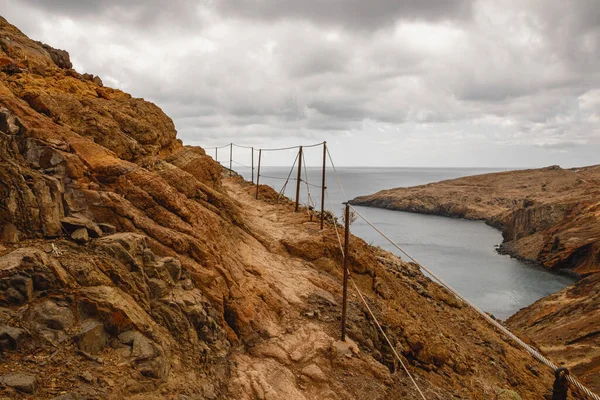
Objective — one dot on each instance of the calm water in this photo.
(461, 252)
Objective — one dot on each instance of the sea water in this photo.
(461, 252)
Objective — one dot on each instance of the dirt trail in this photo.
(300, 359)
(296, 359)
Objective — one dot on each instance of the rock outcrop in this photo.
(549, 216)
(130, 268)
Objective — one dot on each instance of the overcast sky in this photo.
(488, 83)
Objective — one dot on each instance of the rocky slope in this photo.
(130, 268)
(550, 216)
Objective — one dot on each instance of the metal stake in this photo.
(299, 177)
(230, 157)
(252, 165)
(258, 172)
(345, 291)
(216, 154)
(323, 185)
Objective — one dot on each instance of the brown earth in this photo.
(130, 268)
(549, 216)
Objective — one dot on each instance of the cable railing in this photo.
(562, 376)
(300, 161)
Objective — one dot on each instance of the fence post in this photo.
(299, 177)
(230, 157)
(252, 165)
(560, 388)
(323, 185)
(258, 171)
(345, 290)
(216, 154)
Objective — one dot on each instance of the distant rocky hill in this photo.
(549, 216)
(131, 268)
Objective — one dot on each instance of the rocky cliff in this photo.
(130, 268)
(550, 216)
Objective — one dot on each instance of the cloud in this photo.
(347, 14)
(408, 72)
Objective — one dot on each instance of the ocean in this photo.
(461, 252)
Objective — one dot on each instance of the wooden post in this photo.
(258, 171)
(252, 165)
(230, 157)
(345, 290)
(299, 177)
(323, 184)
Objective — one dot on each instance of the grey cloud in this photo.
(514, 72)
(354, 14)
(143, 14)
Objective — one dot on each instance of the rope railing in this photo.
(362, 298)
(531, 350)
(264, 149)
(327, 155)
(277, 177)
(535, 353)
(299, 158)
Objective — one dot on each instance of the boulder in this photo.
(92, 337)
(72, 224)
(8, 122)
(313, 372)
(10, 338)
(22, 382)
(80, 235)
(142, 347)
(172, 265)
(52, 315)
(158, 288)
(26, 269)
(10, 233)
(51, 320)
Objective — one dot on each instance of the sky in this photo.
(439, 83)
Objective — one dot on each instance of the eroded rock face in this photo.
(115, 315)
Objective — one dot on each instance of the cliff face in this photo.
(550, 216)
(129, 268)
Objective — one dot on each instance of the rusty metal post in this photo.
(258, 171)
(230, 157)
(299, 177)
(252, 165)
(345, 290)
(323, 184)
(560, 388)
